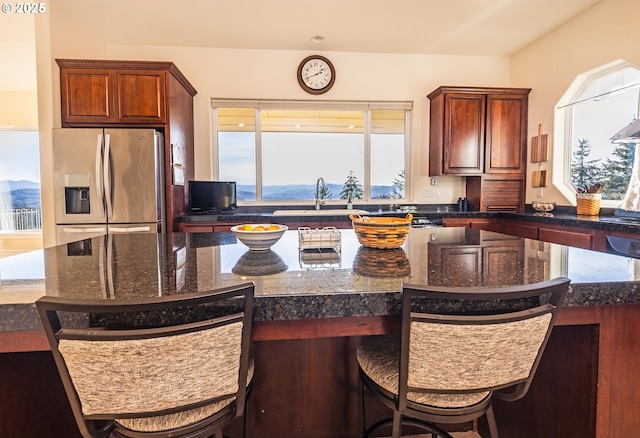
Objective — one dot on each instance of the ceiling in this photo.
(451, 27)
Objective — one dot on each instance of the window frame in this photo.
(366, 106)
(563, 127)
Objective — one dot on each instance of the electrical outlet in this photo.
(540, 193)
(434, 181)
(431, 192)
(428, 193)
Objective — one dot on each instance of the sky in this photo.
(20, 156)
(298, 158)
(599, 120)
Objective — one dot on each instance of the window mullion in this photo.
(215, 151)
(408, 182)
(367, 155)
(258, 137)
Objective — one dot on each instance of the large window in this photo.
(276, 151)
(19, 181)
(606, 100)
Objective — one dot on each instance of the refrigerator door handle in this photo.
(107, 174)
(99, 178)
(137, 229)
(83, 229)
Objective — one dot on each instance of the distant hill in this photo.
(303, 192)
(22, 193)
(10, 185)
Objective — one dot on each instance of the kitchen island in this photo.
(312, 306)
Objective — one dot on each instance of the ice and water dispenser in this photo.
(76, 193)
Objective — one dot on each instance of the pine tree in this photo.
(352, 188)
(617, 171)
(398, 182)
(584, 172)
(325, 193)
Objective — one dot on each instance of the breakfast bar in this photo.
(313, 305)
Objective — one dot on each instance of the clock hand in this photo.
(316, 74)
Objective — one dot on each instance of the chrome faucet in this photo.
(319, 201)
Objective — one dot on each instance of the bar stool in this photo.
(458, 348)
(171, 366)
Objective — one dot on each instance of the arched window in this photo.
(597, 105)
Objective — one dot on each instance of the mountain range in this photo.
(21, 194)
(303, 192)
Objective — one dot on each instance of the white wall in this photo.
(602, 34)
(18, 98)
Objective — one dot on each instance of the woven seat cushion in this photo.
(379, 356)
(172, 421)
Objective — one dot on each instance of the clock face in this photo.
(316, 74)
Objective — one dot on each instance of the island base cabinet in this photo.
(33, 403)
(307, 389)
(562, 399)
(305, 382)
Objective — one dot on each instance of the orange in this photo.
(273, 227)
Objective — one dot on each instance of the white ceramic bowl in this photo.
(543, 206)
(259, 240)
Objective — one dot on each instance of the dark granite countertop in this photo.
(562, 215)
(294, 284)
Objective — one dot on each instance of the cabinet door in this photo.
(87, 96)
(497, 193)
(506, 133)
(140, 96)
(464, 121)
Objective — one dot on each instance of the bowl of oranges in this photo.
(259, 237)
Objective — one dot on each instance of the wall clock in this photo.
(316, 74)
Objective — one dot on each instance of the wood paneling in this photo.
(33, 403)
(565, 237)
(561, 402)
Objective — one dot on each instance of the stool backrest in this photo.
(457, 340)
(156, 356)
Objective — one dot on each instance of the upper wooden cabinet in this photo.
(112, 96)
(105, 93)
(474, 131)
(97, 93)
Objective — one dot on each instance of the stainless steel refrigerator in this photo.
(107, 181)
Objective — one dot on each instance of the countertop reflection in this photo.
(349, 280)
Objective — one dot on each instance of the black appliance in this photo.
(210, 196)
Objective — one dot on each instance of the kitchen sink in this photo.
(328, 212)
